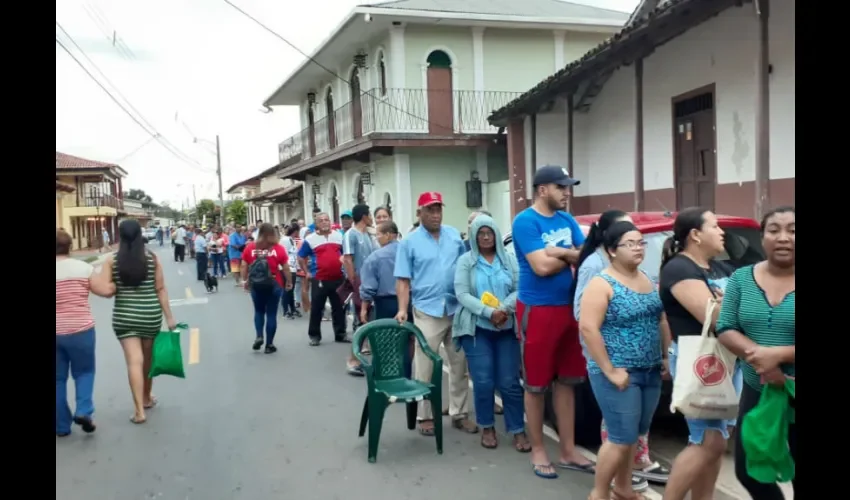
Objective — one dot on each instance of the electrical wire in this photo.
(140, 121)
(135, 150)
(322, 66)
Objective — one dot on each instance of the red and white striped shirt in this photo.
(73, 314)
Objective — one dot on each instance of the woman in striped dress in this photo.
(141, 300)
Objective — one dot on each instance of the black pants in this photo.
(287, 301)
(202, 264)
(179, 253)
(321, 292)
(758, 491)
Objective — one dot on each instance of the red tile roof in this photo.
(66, 161)
(61, 186)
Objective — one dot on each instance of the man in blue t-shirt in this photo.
(548, 241)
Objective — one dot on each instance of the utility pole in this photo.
(194, 196)
(218, 172)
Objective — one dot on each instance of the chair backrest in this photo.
(388, 341)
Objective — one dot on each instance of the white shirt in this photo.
(180, 239)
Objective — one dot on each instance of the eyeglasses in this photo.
(631, 245)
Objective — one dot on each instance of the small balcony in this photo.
(103, 200)
(439, 113)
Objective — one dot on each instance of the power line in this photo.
(140, 121)
(322, 66)
(136, 150)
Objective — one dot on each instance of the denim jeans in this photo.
(74, 353)
(265, 311)
(628, 413)
(218, 265)
(494, 363)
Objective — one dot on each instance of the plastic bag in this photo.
(764, 435)
(167, 356)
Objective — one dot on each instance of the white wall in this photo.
(721, 51)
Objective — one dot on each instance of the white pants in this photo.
(438, 331)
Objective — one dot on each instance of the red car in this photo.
(743, 247)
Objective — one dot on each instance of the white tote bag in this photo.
(702, 387)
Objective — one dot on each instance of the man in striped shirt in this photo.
(323, 248)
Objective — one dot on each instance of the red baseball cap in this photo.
(430, 198)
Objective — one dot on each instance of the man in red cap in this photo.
(424, 272)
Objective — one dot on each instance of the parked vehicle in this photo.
(743, 247)
(149, 234)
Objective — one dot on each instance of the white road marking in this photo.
(188, 302)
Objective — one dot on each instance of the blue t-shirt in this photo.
(532, 232)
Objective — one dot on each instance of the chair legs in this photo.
(411, 415)
(437, 402)
(377, 408)
(364, 418)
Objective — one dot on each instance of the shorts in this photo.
(550, 346)
(696, 426)
(235, 265)
(628, 413)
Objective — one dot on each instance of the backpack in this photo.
(260, 274)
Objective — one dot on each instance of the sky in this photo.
(190, 69)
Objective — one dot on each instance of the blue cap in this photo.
(553, 174)
(348, 214)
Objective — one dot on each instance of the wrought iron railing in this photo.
(409, 111)
(103, 200)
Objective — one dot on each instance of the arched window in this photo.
(440, 90)
(439, 59)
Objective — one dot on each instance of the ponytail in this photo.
(594, 239)
(671, 248)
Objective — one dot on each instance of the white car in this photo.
(149, 234)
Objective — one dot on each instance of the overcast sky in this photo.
(200, 60)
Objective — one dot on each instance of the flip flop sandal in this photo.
(522, 447)
(489, 441)
(465, 425)
(537, 469)
(137, 421)
(426, 431)
(587, 468)
(86, 423)
(634, 496)
(654, 473)
(152, 404)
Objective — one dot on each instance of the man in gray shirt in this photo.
(356, 246)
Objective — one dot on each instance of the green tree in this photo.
(237, 211)
(205, 208)
(138, 194)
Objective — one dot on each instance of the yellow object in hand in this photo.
(490, 300)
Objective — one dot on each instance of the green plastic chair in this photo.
(386, 382)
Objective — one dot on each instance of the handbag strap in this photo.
(710, 305)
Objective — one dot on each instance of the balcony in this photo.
(104, 200)
(398, 111)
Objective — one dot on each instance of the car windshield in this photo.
(742, 248)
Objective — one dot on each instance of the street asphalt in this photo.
(247, 425)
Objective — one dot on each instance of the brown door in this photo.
(356, 107)
(329, 103)
(335, 205)
(311, 138)
(695, 153)
(440, 108)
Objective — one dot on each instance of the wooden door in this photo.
(329, 103)
(356, 106)
(695, 152)
(311, 137)
(440, 105)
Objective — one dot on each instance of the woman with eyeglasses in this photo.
(621, 318)
(592, 261)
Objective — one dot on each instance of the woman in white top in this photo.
(75, 336)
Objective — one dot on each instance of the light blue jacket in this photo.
(468, 297)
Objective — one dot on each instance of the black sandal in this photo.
(522, 446)
(426, 431)
(489, 439)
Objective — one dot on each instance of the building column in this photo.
(559, 38)
(762, 138)
(397, 58)
(516, 166)
(640, 194)
(404, 212)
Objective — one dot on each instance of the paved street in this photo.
(244, 425)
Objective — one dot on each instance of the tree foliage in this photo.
(237, 211)
(139, 195)
(206, 208)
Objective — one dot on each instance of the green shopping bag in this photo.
(764, 435)
(167, 354)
